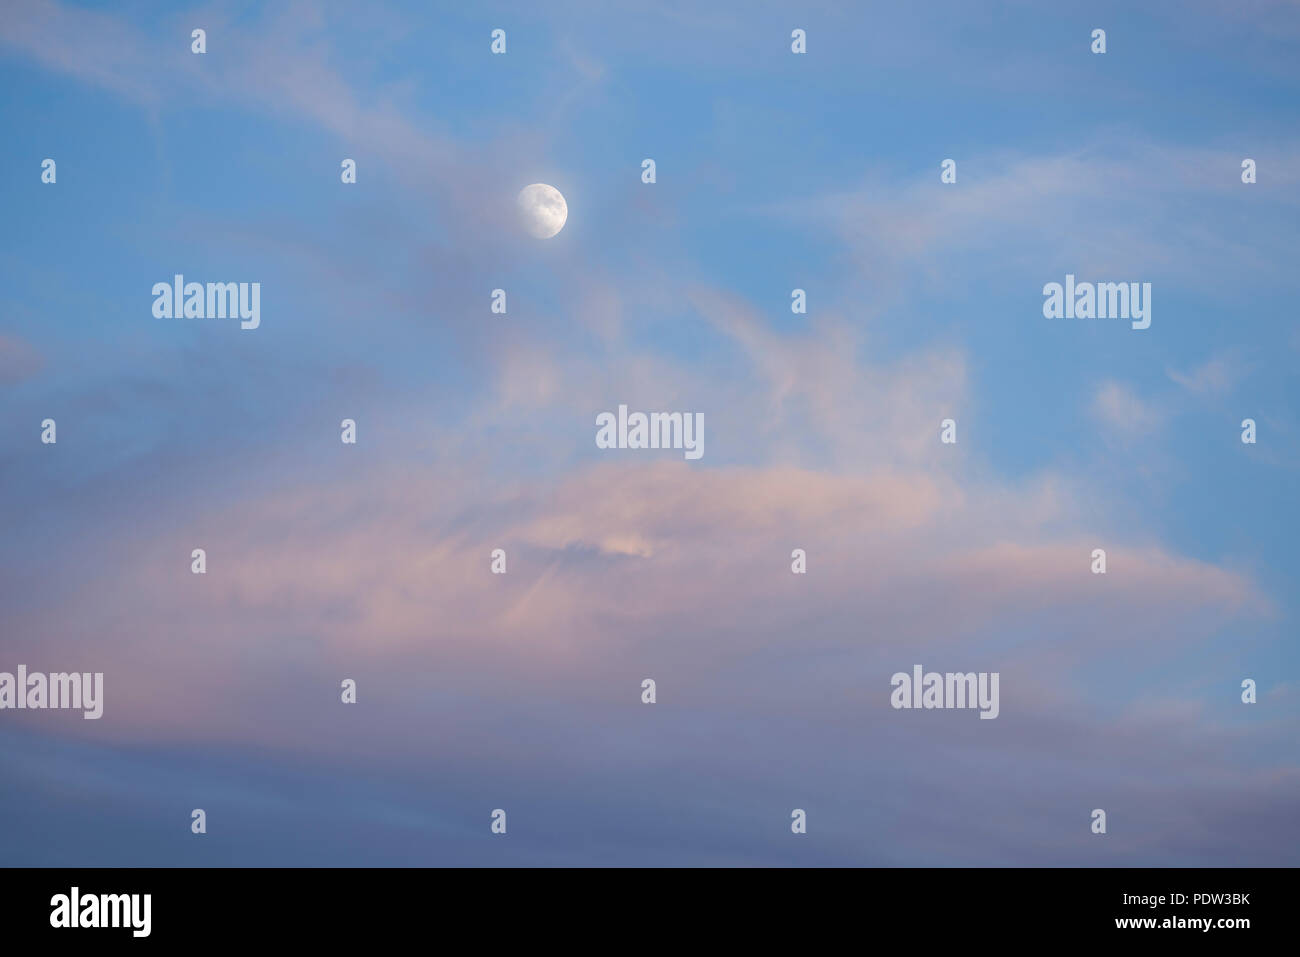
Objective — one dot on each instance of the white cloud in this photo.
(1215, 376)
(1120, 409)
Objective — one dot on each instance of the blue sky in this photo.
(775, 171)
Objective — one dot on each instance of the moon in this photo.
(542, 210)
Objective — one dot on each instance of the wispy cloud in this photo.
(1051, 210)
(1215, 376)
(1121, 410)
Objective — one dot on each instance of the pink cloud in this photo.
(610, 563)
(18, 360)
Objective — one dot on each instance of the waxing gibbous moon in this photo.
(542, 210)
